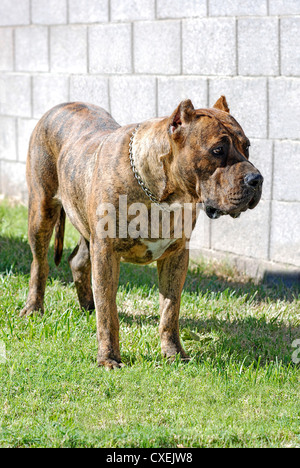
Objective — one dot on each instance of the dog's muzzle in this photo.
(251, 196)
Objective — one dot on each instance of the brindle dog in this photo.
(79, 159)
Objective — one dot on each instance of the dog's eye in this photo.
(218, 151)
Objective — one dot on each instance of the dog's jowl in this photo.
(130, 192)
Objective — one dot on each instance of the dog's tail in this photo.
(59, 237)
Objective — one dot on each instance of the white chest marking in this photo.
(158, 247)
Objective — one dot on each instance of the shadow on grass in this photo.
(247, 340)
(249, 336)
(15, 257)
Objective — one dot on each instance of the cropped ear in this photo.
(222, 104)
(181, 116)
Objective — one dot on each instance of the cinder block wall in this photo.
(138, 59)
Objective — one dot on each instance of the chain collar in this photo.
(141, 183)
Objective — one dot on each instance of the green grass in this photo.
(240, 389)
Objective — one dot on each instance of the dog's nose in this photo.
(254, 180)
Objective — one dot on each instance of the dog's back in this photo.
(67, 123)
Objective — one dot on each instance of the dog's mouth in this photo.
(243, 205)
(213, 213)
(237, 199)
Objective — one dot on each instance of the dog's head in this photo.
(210, 157)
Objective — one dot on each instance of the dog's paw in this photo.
(171, 352)
(31, 308)
(172, 358)
(110, 364)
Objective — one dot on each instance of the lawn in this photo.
(240, 389)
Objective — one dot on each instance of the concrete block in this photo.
(172, 90)
(290, 46)
(261, 155)
(157, 47)
(68, 49)
(258, 56)
(94, 11)
(13, 179)
(237, 7)
(110, 48)
(286, 171)
(8, 137)
(133, 98)
(285, 228)
(247, 100)
(259, 270)
(284, 96)
(132, 10)
(93, 89)
(16, 15)
(284, 7)
(247, 235)
(48, 91)
(31, 46)
(25, 129)
(7, 49)
(15, 95)
(209, 46)
(181, 8)
(49, 11)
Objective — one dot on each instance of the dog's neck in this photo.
(150, 145)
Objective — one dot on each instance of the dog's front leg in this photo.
(105, 278)
(172, 273)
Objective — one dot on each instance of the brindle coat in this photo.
(79, 158)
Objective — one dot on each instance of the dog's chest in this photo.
(158, 247)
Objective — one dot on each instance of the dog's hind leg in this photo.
(42, 217)
(43, 212)
(80, 264)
